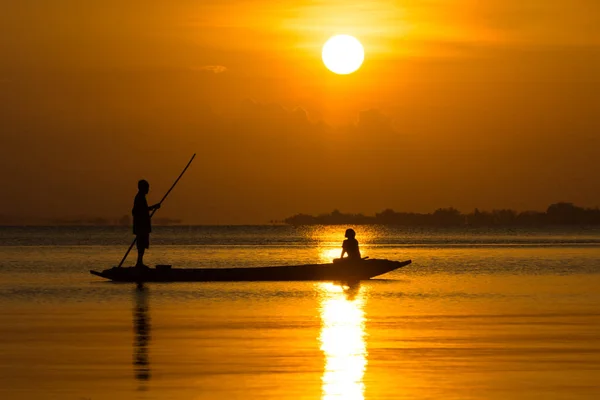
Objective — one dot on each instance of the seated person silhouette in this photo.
(350, 246)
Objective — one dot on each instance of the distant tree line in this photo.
(556, 214)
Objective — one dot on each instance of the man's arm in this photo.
(154, 207)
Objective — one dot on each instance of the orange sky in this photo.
(459, 103)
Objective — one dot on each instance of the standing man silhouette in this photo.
(141, 220)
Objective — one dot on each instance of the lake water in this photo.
(480, 314)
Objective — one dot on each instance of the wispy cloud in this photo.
(217, 69)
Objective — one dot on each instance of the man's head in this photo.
(143, 186)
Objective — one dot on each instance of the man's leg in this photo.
(142, 244)
(140, 259)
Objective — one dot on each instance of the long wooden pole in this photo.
(160, 202)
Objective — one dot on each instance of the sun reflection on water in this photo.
(327, 254)
(343, 341)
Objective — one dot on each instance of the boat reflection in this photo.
(343, 341)
(141, 340)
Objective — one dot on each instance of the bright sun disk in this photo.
(343, 54)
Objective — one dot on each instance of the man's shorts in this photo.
(143, 240)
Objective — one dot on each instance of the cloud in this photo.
(271, 113)
(217, 69)
(373, 119)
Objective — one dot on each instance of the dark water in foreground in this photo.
(478, 315)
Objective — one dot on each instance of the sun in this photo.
(343, 54)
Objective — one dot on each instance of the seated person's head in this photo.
(350, 234)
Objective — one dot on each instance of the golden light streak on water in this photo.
(343, 341)
(327, 254)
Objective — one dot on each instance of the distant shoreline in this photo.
(558, 214)
(82, 221)
(342, 226)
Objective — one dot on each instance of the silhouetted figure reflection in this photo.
(351, 289)
(141, 328)
(350, 246)
(142, 221)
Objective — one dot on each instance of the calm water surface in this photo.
(480, 314)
